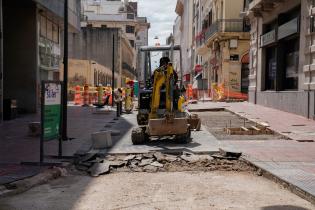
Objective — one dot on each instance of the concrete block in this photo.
(101, 140)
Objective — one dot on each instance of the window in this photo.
(234, 57)
(130, 16)
(43, 26)
(132, 43)
(271, 68)
(49, 30)
(55, 33)
(130, 29)
(291, 64)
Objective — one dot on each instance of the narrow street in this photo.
(179, 183)
(176, 190)
(164, 105)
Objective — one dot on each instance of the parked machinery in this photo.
(161, 110)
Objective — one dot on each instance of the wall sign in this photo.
(51, 110)
(268, 38)
(288, 28)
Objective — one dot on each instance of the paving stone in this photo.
(157, 164)
(99, 169)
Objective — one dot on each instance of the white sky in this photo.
(161, 14)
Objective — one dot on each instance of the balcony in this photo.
(263, 5)
(128, 68)
(221, 27)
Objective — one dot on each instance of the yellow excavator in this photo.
(161, 112)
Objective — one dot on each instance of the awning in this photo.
(245, 58)
(198, 68)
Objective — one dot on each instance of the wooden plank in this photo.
(255, 128)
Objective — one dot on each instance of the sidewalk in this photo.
(17, 146)
(289, 160)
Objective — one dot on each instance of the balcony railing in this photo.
(223, 25)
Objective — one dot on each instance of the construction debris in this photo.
(96, 165)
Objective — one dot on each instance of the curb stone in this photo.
(24, 185)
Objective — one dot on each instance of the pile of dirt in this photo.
(95, 165)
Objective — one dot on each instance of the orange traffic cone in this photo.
(77, 96)
(86, 96)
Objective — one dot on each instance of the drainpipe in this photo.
(309, 68)
(256, 80)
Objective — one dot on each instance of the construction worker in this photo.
(118, 100)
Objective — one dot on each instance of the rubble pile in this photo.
(95, 165)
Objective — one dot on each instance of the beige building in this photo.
(282, 55)
(119, 15)
(222, 45)
(184, 10)
(88, 72)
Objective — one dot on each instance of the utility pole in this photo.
(64, 134)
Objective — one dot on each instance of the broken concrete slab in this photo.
(101, 140)
(204, 158)
(159, 156)
(221, 157)
(150, 169)
(87, 157)
(170, 158)
(190, 158)
(145, 162)
(230, 153)
(116, 163)
(129, 157)
(157, 164)
(99, 169)
(148, 155)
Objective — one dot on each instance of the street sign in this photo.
(52, 110)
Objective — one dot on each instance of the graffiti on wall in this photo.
(234, 81)
(77, 80)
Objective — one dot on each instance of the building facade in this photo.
(31, 48)
(123, 16)
(142, 39)
(95, 45)
(282, 55)
(221, 45)
(184, 9)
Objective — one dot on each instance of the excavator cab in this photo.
(160, 112)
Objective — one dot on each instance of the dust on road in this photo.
(164, 190)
